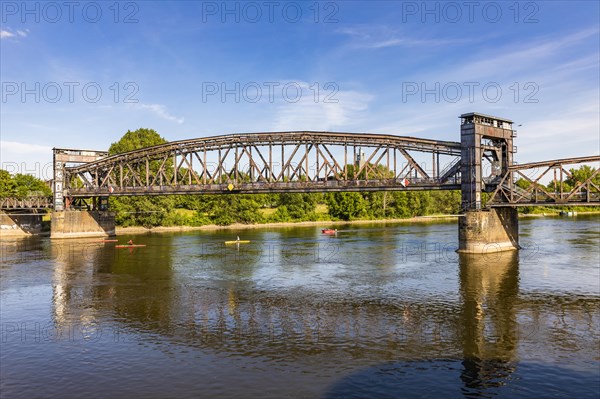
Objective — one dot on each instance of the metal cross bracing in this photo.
(33, 202)
(565, 188)
(272, 162)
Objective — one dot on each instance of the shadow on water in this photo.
(489, 287)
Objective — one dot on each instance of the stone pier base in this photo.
(77, 224)
(488, 231)
(20, 225)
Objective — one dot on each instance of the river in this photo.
(378, 311)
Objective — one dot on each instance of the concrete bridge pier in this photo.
(77, 224)
(487, 231)
(486, 154)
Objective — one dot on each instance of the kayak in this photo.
(130, 246)
(237, 242)
(329, 231)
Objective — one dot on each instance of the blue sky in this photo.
(405, 68)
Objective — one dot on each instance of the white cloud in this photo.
(26, 158)
(161, 111)
(324, 114)
(562, 121)
(525, 58)
(24, 148)
(382, 37)
(8, 33)
(4, 34)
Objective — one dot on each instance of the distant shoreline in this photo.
(320, 223)
(240, 226)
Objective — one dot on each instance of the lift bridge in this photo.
(308, 161)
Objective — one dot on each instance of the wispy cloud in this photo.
(8, 33)
(382, 37)
(26, 158)
(524, 57)
(161, 111)
(344, 109)
(5, 34)
(24, 148)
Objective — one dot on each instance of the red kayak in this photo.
(329, 231)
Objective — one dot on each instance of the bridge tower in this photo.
(69, 221)
(486, 153)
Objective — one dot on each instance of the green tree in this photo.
(28, 185)
(140, 138)
(580, 175)
(522, 183)
(141, 211)
(7, 185)
(346, 205)
(298, 205)
(281, 214)
(146, 211)
(236, 208)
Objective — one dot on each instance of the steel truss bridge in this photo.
(302, 162)
(272, 162)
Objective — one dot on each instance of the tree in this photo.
(140, 138)
(28, 185)
(228, 209)
(141, 211)
(145, 211)
(298, 205)
(346, 205)
(580, 175)
(7, 185)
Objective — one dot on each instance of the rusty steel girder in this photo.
(585, 192)
(271, 162)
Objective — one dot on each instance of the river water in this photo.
(378, 311)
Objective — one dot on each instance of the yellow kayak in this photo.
(237, 242)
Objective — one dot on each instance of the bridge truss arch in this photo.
(272, 162)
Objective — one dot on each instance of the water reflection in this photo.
(485, 331)
(489, 286)
(376, 318)
(92, 279)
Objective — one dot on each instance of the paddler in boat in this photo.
(130, 242)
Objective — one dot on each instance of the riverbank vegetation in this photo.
(22, 186)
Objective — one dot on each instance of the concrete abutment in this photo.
(77, 224)
(20, 225)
